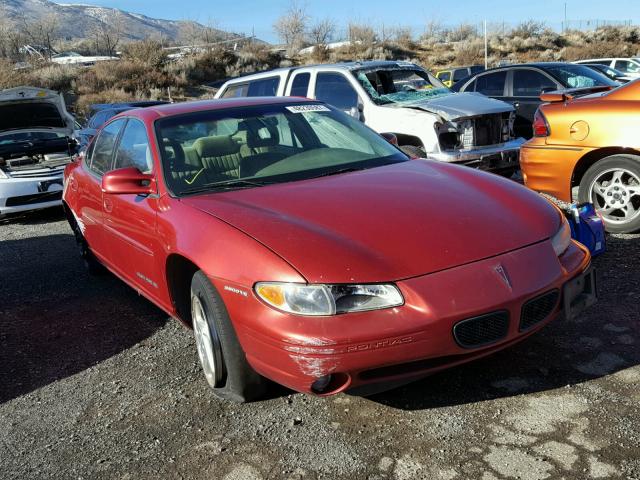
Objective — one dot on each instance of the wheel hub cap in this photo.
(616, 195)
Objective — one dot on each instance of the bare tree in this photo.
(291, 26)
(106, 37)
(42, 32)
(322, 31)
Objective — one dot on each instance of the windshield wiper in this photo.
(225, 185)
(339, 171)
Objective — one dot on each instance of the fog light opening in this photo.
(331, 384)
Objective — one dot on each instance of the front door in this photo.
(130, 220)
(89, 216)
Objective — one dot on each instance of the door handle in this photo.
(108, 205)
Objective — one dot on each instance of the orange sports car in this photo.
(592, 143)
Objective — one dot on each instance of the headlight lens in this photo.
(562, 239)
(303, 299)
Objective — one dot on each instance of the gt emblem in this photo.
(500, 270)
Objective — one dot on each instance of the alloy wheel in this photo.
(616, 195)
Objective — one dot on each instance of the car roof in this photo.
(355, 65)
(169, 110)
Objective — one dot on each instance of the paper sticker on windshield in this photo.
(307, 108)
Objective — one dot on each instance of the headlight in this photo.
(562, 239)
(303, 299)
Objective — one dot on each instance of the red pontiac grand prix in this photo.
(304, 248)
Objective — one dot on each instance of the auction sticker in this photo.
(307, 108)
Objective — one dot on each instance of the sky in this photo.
(245, 16)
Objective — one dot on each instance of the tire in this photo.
(91, 263)
(613, 186)
(413, 151)
(223, 361)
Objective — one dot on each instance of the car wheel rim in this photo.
(207, 343)
(616, 195)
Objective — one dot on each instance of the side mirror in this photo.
(128, 180)
(555, 97)
(390, 137)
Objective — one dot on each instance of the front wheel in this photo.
(613, 186)
(222, 359)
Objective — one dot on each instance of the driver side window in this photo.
(103, 149)
(336, 90)
(134, 149)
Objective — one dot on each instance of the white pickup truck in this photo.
(401, 98)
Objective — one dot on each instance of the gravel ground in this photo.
(95, 382)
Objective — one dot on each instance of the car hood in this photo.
(28, 109)
(386, 223)
(461, 105)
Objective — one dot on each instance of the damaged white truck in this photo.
(35, 146)
(401, 98)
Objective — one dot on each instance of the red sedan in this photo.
(305, 249)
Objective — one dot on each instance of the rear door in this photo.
(524, 87)
(98, 161)
(130, 220)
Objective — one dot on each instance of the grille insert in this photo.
(538, 309)
(483, 330)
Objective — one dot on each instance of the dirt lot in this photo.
(97, 383)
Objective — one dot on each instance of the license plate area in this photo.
(580, 293)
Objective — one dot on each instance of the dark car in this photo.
(522, 85)
(101, 113)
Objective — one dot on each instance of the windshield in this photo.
(400, 85)
(580, 76)
(254, 146)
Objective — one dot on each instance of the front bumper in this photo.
(20, 194)
(495, 157)
(408, 342)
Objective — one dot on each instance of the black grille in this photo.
(483, 330)
(537, 309)
(35, 198)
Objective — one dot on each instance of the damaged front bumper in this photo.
(494, 157)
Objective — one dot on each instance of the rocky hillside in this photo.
(76, 21)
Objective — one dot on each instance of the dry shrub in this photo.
(9, 76)
(105, 96)
(55, 77)
(127, 75)
(145, 52)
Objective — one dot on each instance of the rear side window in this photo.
(335, 89)
(103, 149)
(627, 66)
(237, 90)
(134, 149)
(530, 83)
(300, 85)
(265, 87)
(491, 84)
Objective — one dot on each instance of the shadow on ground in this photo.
(55, 319)
(602, 341)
